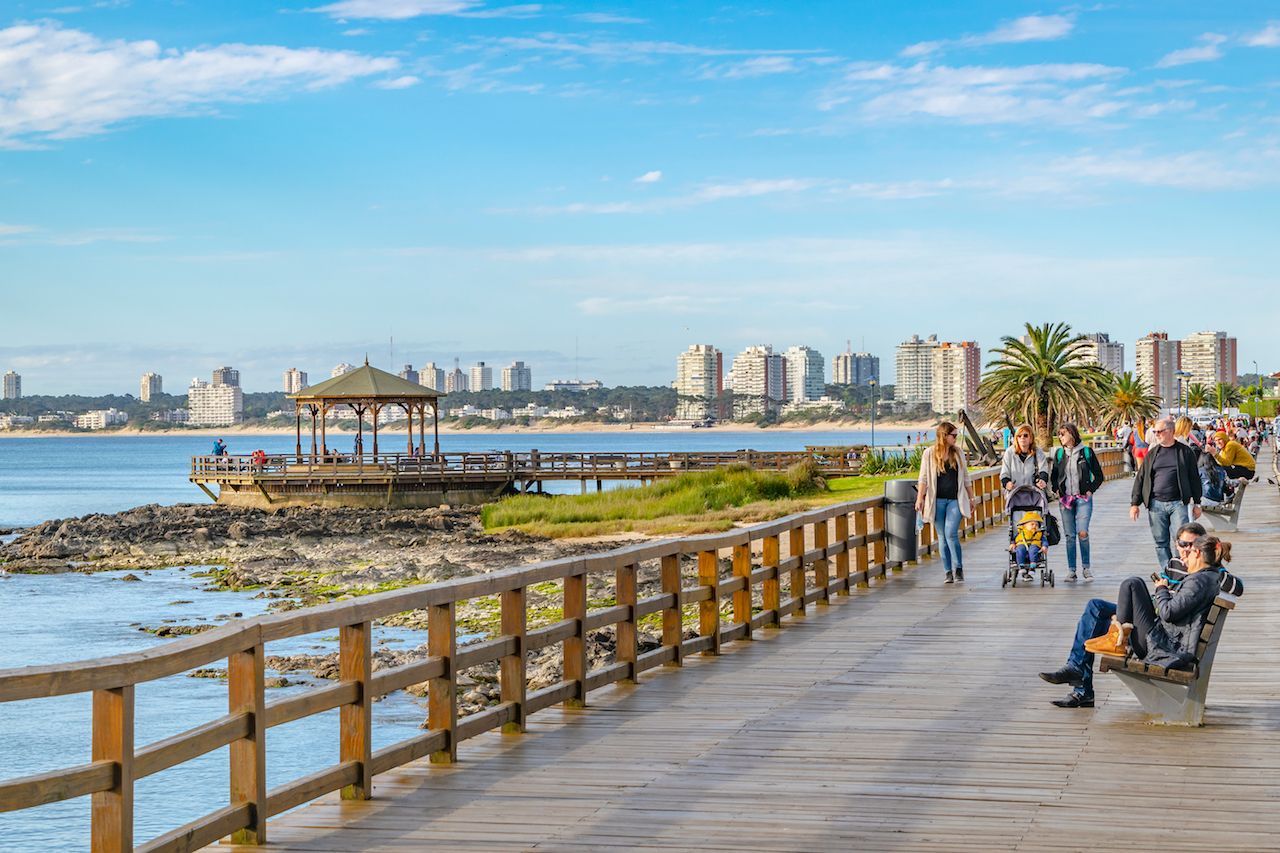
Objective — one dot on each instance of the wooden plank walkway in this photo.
(907, 717)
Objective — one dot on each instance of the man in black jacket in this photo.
(1167, 482)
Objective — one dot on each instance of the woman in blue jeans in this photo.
(945, 495)
(1076, 475)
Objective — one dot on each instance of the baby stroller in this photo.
(1031, 504)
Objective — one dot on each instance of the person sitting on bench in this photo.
(1234, 458)
(1162, 631)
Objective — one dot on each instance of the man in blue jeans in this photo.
(1167, 484)
(1094, 622)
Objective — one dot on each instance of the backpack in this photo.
(1052, 533)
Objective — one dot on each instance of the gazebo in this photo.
(366, 390)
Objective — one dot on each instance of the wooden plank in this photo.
(317, 784)
(709, 609)
(821, 579)
(627, 633)
(319, 699)
(200, 832)
(355, 719)
(842, 558)
(742, 597)
(112, 810)
(192, 743)
(673, 615)
(442, 706)
(511, 676)
(861, 551)
(795, 553)
(65, 784)
(771, 590)
(575, 645)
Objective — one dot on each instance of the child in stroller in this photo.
(1027, 542)
(1028, 509)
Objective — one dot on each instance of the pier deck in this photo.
(906, 717)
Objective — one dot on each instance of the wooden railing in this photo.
(827, 552)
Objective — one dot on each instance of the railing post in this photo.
(575, 647)
(249, 755)
(861, 564)
(709, 609)
(673, 616)
(355, 721)
(771, 593)
(112, 810)
(742, 598)
(877, 547)
(442, 707)
(512, 675)
(795, 548)
(821, 572)
(842, 559)
(626, 638)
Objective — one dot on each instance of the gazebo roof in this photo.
(366, 383)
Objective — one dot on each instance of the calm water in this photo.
(54, 618)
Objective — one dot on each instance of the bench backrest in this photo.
(1213, 623)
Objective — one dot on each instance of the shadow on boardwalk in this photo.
(906, 718)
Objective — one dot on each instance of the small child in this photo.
(1027, 543)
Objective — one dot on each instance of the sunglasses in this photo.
(1186, 543)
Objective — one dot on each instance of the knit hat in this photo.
(1221, 436)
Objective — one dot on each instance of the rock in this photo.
(238, 531)
(179, 630)
(273, 681)
(207, 672)
(131, 577)
(180, 601)
(200, 535)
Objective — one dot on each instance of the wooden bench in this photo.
(1175, 697)
(1225, 517)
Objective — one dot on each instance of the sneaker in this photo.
(950, 578)
(1075, 700)
(959, 575)
(1067, 675)
(1071, 578)
(1088, 575)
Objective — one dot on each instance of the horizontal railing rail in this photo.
(738, 582)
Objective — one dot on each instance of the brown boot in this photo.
(1115, 642)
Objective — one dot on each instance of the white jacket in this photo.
(927, 485)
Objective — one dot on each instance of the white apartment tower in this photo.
(854, 368)
(226, 376)
(1156, 360)
(699, 381)
(759, 381)
(517, 377)
(455, 380)
(294, 380)
(481, 377)
(430, 376)
(408, 374)
(1103, 351)
(914, 383)
(12, 386)
(805, 372)
(151, 385)
(1210, 358)
(957, 370)
(214, 405)
(341, 369)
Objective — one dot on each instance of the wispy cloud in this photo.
(1209, 49)
(758, 66)
(650, 177)
(399, 82)
(8, 230)
(1269, 36)
(623, 51)
(606, 18)
(58, 83)
(403, 10)
(668, 304)
(1024, 29)
(1191, 171)
(705, 194)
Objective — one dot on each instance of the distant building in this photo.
(1103, 351)
(854, 368)
(101, 419)
(341, 369)
(1210, 358)
(152, 385)
(214, 405)
(699, 381)
(12, 386)
(517, 377)
(1156, 361)
(805, 374)
(455, 380)
(957, 370)
(575, 386)
(914, 383)
(759, 381)
(409, 374)
(430, 376)
(294, 380)
(15, 421)
(172, 416)
(226, 376)
(481, 378)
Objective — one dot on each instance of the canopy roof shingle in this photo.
(366, 383)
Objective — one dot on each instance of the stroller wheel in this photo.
(1015, 579)
(1051, 584)
(1004, 580)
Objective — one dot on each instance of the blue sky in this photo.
(270, 185)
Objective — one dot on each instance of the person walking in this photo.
(1075, 476)
(944, 494)
(1023, 464)
(1168, 482)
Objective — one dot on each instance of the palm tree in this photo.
(1227, 395)
(1197, 396)
(1129, 399)
(1044, 380)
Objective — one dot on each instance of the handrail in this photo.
(848, 550)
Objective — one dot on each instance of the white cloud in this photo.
(403, 10)
(1024, 29)
(7, 230)
(903, 190)
(621, 51)
(58, 83)
(670, 304)
(758, 66)
(706, 194)
(399, 82)
(1269, 36)
(650, 177)
(1191, 171)
(358, 31)
(1210, 49)
(606, 18)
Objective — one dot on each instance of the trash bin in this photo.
(901, 536)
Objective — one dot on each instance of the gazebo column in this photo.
(422, 430)
(435, 424)
(297, 432)
(408, 411)
(324, 429)
(359, 410)
(313, 409)
(376, 410)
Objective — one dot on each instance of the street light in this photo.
(874, 398)
(1182, 375)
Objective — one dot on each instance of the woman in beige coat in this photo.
(945, 495)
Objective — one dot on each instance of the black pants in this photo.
(1134, 606)
(1236, 472)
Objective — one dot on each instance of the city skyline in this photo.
(715, 172)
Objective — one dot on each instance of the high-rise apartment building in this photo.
(12, 386)
(226, 376)
(957, 370)
(430, 376)
(699, 381)
(805, 374)
(152, 385)
(1103, 351)
(455, 380)
(294, 380)
(1210, 358)
(759, 381)
(1156, 361)
(481, 377)
(914, 383)
(517, 377)
(214, 405)
(408, 374)
(341, 369)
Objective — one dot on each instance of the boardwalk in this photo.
(908, 717)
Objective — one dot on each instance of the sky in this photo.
(590, 188)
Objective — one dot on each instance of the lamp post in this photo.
(874, 397)
(1182, 375)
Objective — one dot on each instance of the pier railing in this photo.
(772, 571)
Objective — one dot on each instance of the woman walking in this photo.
(1075, 476)
(945, 495)
(1023, 463)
